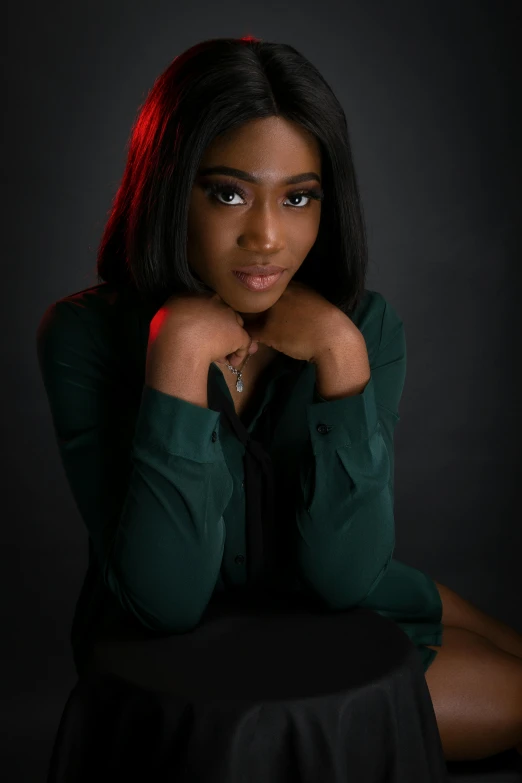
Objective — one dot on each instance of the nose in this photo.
(263, 231)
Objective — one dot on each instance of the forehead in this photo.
(269, 148)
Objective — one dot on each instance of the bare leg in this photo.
(460, 613)
(476, 690)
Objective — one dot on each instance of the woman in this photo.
(240, 158)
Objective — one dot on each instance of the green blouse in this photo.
(158, 481)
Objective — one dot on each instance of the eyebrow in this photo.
(249, 178)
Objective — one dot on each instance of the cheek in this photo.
(304, 237)
(213, 236)
(208, 248)
(200, 227)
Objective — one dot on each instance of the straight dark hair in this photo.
(214, 86)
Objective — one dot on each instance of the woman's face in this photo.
(266, 224)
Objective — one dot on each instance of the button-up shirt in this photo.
(181, 502)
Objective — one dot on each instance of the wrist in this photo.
(342, 369)
(179, 372)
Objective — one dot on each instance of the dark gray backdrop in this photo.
(432, 95)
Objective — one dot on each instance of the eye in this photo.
(216, 189)
(309, 194)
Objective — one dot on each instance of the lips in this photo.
(258, 282)
(259, 270)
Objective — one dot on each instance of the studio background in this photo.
(432, 95)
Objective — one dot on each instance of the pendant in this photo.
(239, 383)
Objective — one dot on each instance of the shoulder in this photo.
(378, 321)
(102, 319)
(91, 305)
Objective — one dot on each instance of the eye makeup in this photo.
(213, 189)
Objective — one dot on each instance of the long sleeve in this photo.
(345, 495)
(150, 484)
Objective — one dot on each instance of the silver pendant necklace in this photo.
(239, 381)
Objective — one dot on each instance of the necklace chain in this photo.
(239, 381)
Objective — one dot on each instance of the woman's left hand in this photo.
(302, 324)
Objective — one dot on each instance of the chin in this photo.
(235, 302)
(240, 308)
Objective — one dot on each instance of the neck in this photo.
(249, 318)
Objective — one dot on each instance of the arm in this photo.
(345, 499)
(149, 481)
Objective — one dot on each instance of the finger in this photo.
(239, 356)
(251, 347)
(242, 353)
(235, 359)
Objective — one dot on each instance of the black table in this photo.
(278, 693)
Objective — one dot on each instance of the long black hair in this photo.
(215, 86)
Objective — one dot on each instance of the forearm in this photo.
(180, 372)
(168, 546)
(168, 543)
(345, 545)
(345, 516)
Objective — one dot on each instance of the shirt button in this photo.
(323, 428)
(239, 559)
(243, 484)
(214, 436)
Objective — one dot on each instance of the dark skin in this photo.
(267, 225)
(475, 681)
(274, 219)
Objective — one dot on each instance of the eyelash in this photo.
(219, 187)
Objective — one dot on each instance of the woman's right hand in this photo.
(202, 323)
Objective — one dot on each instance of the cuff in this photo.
(177, 426)
(350, 419)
